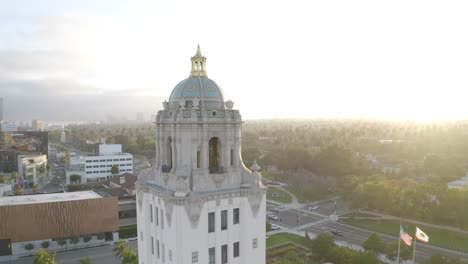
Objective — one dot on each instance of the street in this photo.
(99, 255)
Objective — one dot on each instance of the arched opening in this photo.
(168, 166)
(214, 157)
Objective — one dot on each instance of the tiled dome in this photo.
(197, 89)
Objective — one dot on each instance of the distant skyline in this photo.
(274, 59)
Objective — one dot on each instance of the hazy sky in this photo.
(392, 59)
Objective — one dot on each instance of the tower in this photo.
(201, 204)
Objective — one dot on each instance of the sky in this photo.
(274, 59)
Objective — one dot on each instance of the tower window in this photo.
(236, 249)
(224, 255)
(188, 104)
(224, 220)
(214, 150)
(232, 157)
(211, 222)
(169, 153)
(235, 216)
(211, 254)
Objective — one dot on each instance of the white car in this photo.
(275, 227)
(272, 216)
(313, 208)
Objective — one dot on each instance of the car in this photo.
(275, 227)
(315, 207)
(336, 233)
(272, 216)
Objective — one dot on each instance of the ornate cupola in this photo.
(198, 64)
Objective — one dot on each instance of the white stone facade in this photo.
(200, 175)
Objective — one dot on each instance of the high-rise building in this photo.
(37, 125)
(2, 118)
(201, 205)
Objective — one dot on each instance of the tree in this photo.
(45, 244)
(15, 176)
(115, 169)
(126, 253)
(3, 179)
(42, 257)
(36, 188)
(86, 260)
(29, 246)
(19, 190)
(61, 241)
(268, 226)
(74, 240)
(75, 178)
(42, 169)
(374, 243)
(391, 250)
(323, 245)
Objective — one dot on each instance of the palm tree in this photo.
(42, 257)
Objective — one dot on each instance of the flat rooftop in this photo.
(48, 198)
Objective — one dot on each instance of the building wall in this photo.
(28, 222)
(182, 238)
(99, 167)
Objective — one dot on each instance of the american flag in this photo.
(405, 237)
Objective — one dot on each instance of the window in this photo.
(235, 216)
(157, 216)
(152, 246)
(157, 249)
(211, 222)
(211, 255)
(163, 253)
(236, 249)
(214, 151)
(232, 157)
(198, 160)
(195, 257)
(162, 219)
(254, 243)
(224, 256)
(170, 255)
(151, 213)
(224, 220)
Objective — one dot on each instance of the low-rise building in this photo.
(99, 168)
(28, 221)
(9, 127)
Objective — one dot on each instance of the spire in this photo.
(198, 64)
(198, 51)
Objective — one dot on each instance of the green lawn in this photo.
(437, 237)
(128, 231)
(274, 176)
(305, 195)
(282, 238)
(278, 195)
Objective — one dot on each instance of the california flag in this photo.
(421, 236)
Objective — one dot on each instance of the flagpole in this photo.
(414, 250)
(399, 242)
